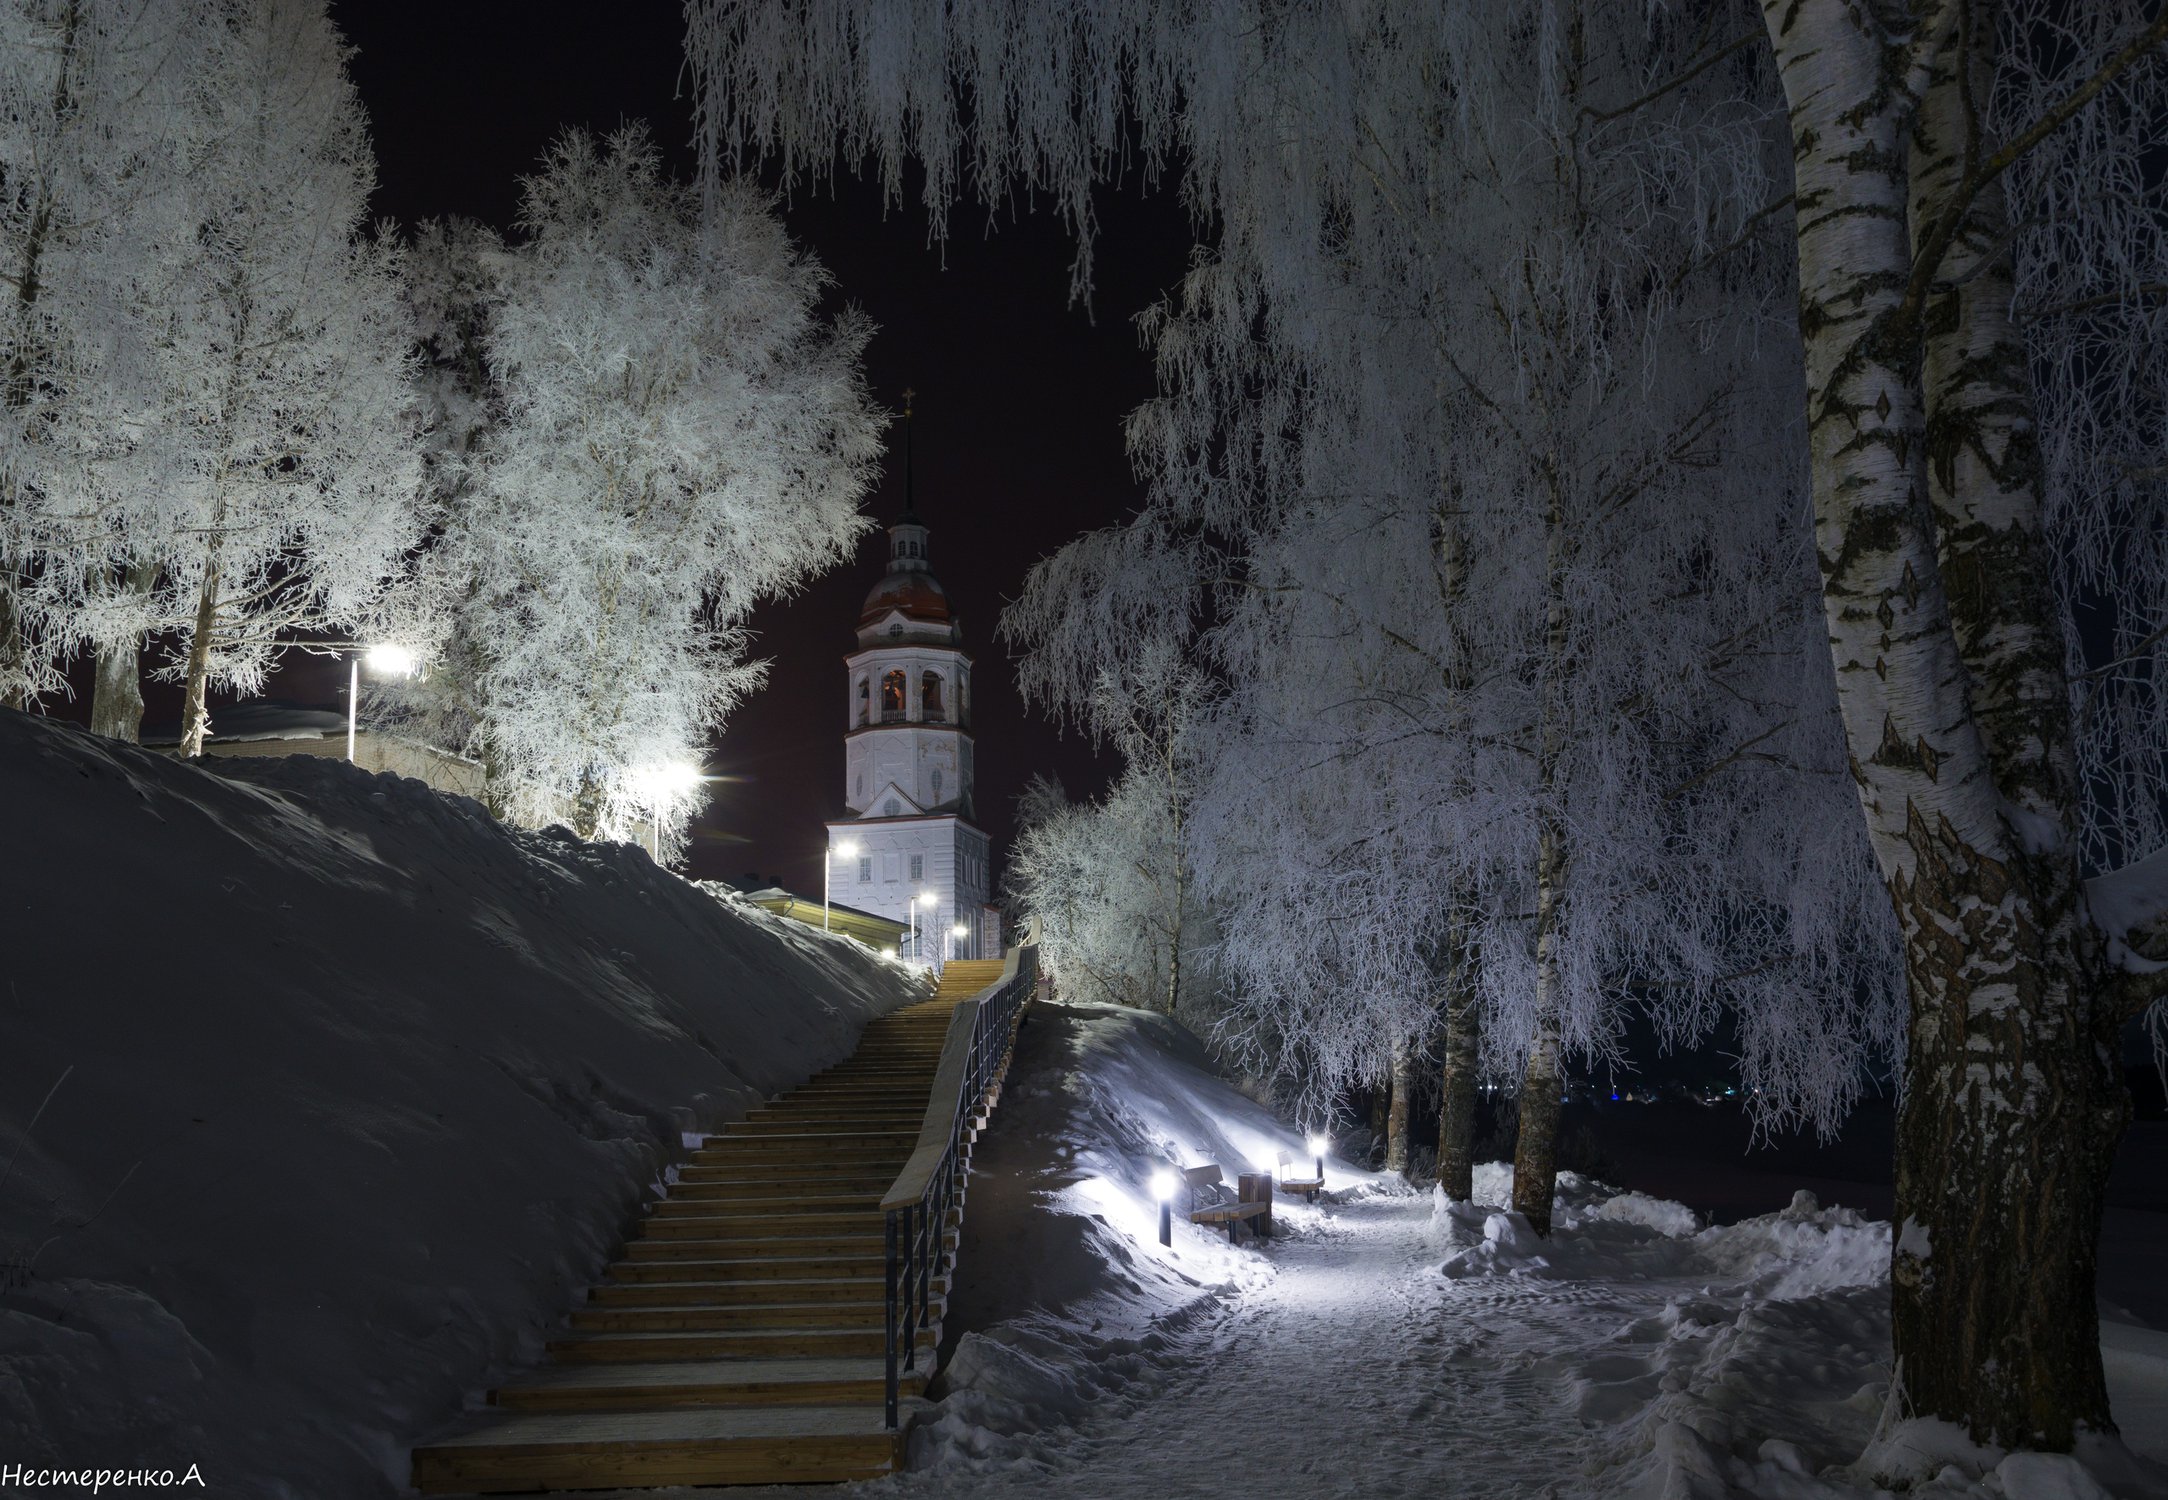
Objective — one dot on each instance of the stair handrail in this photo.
(916, 1207)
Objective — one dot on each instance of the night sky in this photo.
(1020, 393)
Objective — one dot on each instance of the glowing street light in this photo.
(959, 932)
(845, 849)
(385, 661)
(1163, 1190)
(655, 785)
(1317, 1149)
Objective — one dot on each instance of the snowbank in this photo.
(1765, 1370)
(351, 1093)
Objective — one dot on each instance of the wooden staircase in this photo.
(739, 1336)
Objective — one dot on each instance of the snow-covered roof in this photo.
(259, 719)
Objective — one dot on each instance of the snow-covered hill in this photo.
(322, 1095)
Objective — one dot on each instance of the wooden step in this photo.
(795, 1342)
(855, 1174)
(673, 1383)
(870, 1312)
(757, 1292)
(711, 1446)
(686, 1202)
(748, 1268)
(772, 1247)
(741, 1226)
(768, 1194)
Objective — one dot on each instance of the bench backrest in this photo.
(1286, 1161)
(1205, 1176)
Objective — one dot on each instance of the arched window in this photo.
(864, 699)
(892, 691)
(929, 698)
(936, 783)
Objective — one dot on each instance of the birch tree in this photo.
(679, 437)
(1915, 222)
(287, 490)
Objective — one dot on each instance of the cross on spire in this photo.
(910, 500)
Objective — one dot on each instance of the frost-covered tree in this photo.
(280, 484)
(1099, 878)
(93, 123)
(1911, 122)
(1981, 245)
(675, 435)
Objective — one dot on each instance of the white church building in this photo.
(909, 850)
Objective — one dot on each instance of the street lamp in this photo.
(914, 927)
(1163, 1190)
(957, 932)
(845, 849)
(385, 661)
(655, 785)
(1317, 1149)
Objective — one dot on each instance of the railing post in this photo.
(890, 1338)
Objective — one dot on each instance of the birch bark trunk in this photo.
(1535, 1148)
(1456, 1106)
(1947, 656)
(1397, 1116)
(116, 699)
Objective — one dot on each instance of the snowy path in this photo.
(1355, 1370)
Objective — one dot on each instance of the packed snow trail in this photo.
(1387, 1344)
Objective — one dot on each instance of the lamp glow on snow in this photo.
(1163, 1190)
(845, 849)
(1317, 1149)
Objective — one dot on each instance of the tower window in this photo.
(918, 867)
(937, 783)
(892, 692)
(865, 869)
(893, 808)
(863, 698)
(929, 697)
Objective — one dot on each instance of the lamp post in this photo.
(847, 849)
(388, 661)
(658, 785)
(1163, 1190)
(957, 932)
(1317, 1149)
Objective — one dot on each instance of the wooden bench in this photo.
(1309, 1187)
(1209, 1203)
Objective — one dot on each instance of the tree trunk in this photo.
(1946, 651)
(587, 807)
(1535, 1148)
(116, 700)
(1381, 1105)
(195, 715)
(1396, 1117)
(14, 672)
(1456, 1106)
(1535, 1145)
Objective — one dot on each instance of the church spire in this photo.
(910, 501)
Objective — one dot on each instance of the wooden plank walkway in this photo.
(738, 1337)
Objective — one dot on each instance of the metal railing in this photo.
(930, 1187)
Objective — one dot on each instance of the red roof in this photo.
(915, 593)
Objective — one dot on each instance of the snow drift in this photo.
(348, 1092)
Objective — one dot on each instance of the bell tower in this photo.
(908, 757)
